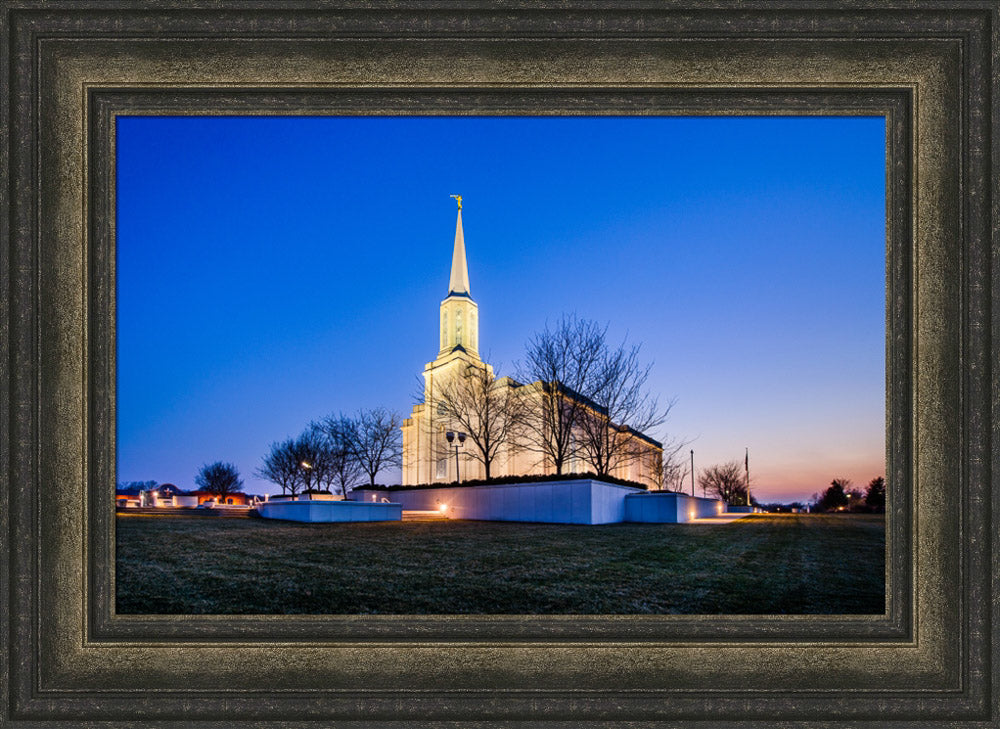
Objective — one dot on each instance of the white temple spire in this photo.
(459, 283)
(459, 313)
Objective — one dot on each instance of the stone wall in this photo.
(667, 507)
(580, 501)
(329, 511)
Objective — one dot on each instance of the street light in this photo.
(307, 466)
(461, 441)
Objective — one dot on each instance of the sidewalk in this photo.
(727, 518)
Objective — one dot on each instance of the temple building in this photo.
(428, 456)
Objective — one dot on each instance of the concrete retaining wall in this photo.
(580, 501)
(329, 511)
(745, 509)
(666, 507)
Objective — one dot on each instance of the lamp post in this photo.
(747, 462)
(307, 466)
(692, 472)
(461, 441)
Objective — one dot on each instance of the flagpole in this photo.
(692, 472)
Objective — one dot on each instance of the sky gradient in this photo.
(273, 270)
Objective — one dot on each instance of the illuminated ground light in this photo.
(443, 508)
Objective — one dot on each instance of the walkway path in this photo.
(727, 518)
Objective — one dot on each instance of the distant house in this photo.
(170, 495)
(128, 496)
(184, 499)
(168, 490)
(237, 499)
(165, 495)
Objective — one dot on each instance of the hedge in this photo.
(507, 480)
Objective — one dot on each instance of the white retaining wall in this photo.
(667, 507)
(580, 501)
(328, 511)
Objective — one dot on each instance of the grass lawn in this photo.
(815, 564)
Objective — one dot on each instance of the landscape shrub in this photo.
(501, 480)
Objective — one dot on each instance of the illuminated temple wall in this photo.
(427, 457)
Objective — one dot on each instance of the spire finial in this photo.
(458, 199)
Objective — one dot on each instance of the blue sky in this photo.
(272, 270)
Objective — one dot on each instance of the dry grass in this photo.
(785, 564)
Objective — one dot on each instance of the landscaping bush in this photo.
(501, 480)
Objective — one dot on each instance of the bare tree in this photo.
(219, 478)
(338, 433)
(281, 468)
(313, 457)
(488, 409)
(659, 475)
(675, 468)
(377, 441)
(620, 409)
(134, 487)
(725, 481)
(561, 363)
(298, 464)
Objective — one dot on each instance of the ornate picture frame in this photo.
(928, 67)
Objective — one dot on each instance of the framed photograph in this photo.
(279, 288)
(84, 77)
